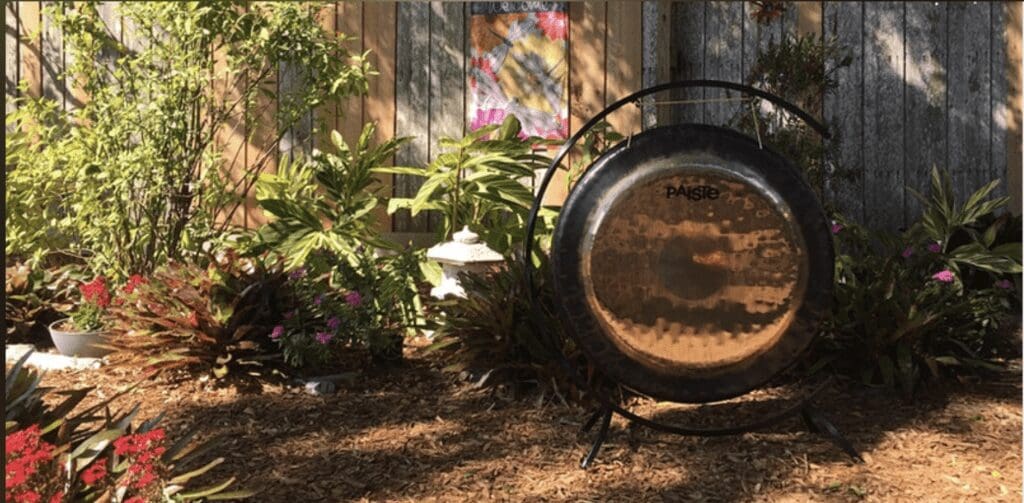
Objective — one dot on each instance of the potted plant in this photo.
(81, 334)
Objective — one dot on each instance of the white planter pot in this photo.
(83, 344)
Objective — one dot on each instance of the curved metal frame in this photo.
(607, 406)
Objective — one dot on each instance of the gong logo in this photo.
(693, 193)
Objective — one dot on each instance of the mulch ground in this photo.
(415, 433)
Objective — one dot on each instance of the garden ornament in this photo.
(464, 253)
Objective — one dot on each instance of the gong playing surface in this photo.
(686, 286)
(701, 292)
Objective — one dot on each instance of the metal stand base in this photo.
(815, 421)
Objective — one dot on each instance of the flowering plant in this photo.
(930, 297)
(56, 453)
(95, 301)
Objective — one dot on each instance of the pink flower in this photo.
(944, 276)
(1005, 284)
(934, 247)
(907, 252)
(554, 24)
(277, 332)
(318, 300)
(324, 337)
(333, 323)
(836, 227)
(297, 273)
(353, 298)
(486, 117)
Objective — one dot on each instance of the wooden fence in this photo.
(929, 84)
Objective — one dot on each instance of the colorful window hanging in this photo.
(519, 65)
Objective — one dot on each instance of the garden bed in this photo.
(416, 433)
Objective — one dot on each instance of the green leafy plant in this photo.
(216, 319)
(34, 297)
(481, 182)
(801, 69)
(596, 141)
(133, 176)
(326, 202)
(55, 453)
(930, 297)
(494, 335)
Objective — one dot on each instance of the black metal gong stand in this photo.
(812, 417)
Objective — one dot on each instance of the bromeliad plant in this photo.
(55, 454)
(934, 296)
(482, 182)
(210, 319)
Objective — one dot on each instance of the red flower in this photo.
(95, 472)
(135, 499)
(96, 292)
(554, 24)
(133, 282)
(57, 498)
(24, 455)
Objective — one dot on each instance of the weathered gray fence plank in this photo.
(687, 45)
(925, 107)
(883, 115)
(11, 60)
(412, 103)
(756, 37)
(844, 107)
(53, 57)
(1000, 112)
(447, 78)
(723, 57)
(969, 119)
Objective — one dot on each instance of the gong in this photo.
(691, 263)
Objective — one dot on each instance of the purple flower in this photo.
(907, 252)
(277, 332)
(333, 323)
(297, 273)
(324, 337)
(945, 276)
(353, 298)
(1005, 284)
(318, 300)
(934, 247)
(836, 227)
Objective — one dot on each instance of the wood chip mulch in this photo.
(415, 433)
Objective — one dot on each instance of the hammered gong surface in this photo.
(690, 264)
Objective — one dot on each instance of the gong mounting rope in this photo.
(609, 407)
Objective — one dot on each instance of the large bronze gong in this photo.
(691, 263)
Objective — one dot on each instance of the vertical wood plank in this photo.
(586, 62)
(883, 114)
(349, 120)
(925, 107)
(379, 104)
(230, 139)
(844, 107)
(687, 46)
(656, 57)
(29, 47)
(969, 120)
(53, 56)
(623, 62)
(291, 78)
(447, 80)
(412, 103)
(325, 115)
(11, 61)
(1013, 100)
(723, 57)
(757, 37)
(111, 19)
(998, 109)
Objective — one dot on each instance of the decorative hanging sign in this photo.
(519, 65)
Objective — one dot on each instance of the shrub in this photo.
(333, 303)
(215, 318)
(479, 181)
(33, 296)
(133, 176)
(52, 455)
(930, 297)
